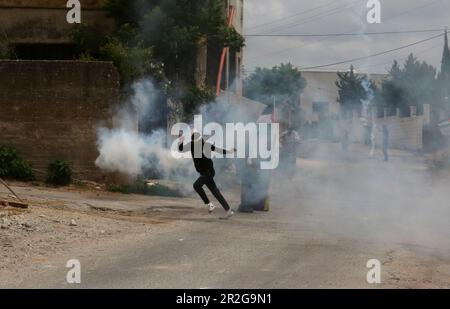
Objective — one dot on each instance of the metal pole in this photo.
(274, 109)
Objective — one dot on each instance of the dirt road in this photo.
(322, 229)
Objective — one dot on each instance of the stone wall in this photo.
(49, 110)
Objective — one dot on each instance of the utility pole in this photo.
(225, 54)
(274, 109)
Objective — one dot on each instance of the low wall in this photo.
(405, 133)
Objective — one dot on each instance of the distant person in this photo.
(345, 141)
(367, 134)
(205, 167)
(373, 138)
(290, 140)
(385, 143)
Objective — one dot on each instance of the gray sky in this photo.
(341, 16)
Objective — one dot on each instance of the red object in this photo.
(231, 13)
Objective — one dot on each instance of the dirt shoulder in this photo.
(75, 219)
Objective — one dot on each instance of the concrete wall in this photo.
(49, 110)
(44, 21)
(405, 133)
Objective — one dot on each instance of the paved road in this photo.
(322, 229)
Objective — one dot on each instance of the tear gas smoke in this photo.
(125, 150)
(355, 197)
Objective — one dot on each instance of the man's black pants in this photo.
(211, 184)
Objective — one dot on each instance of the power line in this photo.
(275, 21)
(411, 10)
(368, 65)
(344, 34)
(302, 45)
(332, 12)
(373, 55)
(252, 59)
(315, 17)
(339, 9)
(402, 58)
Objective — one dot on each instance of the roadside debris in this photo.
(20, 204)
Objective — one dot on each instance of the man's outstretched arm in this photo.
(221, 150)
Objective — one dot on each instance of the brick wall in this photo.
(50, 110)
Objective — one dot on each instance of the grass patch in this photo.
(141, 187)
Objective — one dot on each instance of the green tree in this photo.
(284, 83)
(445, 64)
(132, 59)
(161, 37)
(412, 85)
(173, 28)
(444, 80)
(352, 91)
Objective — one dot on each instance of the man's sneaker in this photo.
(211, 207)
(228, 215)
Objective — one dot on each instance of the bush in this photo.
(193, 98)
(59, 173)
(131, 62)
(117, 188)
(13, 166)
(6, 49)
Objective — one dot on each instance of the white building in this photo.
(319, 98)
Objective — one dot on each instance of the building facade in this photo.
(319, 98)
(211, 57)
(38, 29)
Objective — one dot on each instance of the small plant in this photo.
(6, 49)
(13, 166)
(59, 173)
(141, 187)
(117, 188)
(86, 57)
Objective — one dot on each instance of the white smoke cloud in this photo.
(125, 150)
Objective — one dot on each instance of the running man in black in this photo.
(201, 154)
